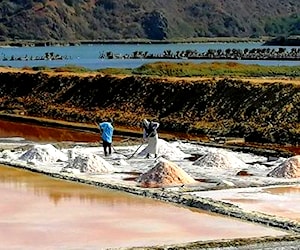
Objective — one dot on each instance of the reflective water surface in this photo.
(282, 201)
(88, 55)
(45, 134)
(39, 212)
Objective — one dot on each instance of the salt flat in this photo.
(219, 185)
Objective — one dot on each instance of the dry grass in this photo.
(255, 80)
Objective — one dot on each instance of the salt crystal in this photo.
(290, 168)
(7, 154)
(165, 173)
(220, 159)
(89, 163)
(43, 153)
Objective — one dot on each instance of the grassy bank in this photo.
(186, 69)
(217, 69)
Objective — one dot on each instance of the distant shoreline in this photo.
(32, 43)
(268, 41)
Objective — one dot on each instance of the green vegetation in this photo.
(226, 69)
(169, 69)
(280, 26)
(115, 71)
(68, 68)
(160, 20)
(71, 68)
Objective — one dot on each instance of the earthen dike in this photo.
(260, 111)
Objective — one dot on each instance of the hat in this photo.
(145, 123)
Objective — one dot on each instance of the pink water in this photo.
(38, 212)
(283, 201)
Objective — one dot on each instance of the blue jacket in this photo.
(107, 131)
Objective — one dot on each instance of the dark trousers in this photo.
(106, 145)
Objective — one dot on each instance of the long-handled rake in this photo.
(135, 151)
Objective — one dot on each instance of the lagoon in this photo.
(87, 56)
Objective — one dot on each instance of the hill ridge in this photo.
(72, 20)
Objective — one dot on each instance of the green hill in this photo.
(72, 20)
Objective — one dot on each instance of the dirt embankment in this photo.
(259, 112)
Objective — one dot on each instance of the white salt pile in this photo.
(43, 153)
(7, 154)
(290, 168)
(88, 163)
(220, 159)
(165, 173)
(166, 150)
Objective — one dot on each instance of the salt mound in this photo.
(288, 169)
(166, 150)
(43, 153)
(164, 173)
(220, 160)
(88, 163)
(7, 154)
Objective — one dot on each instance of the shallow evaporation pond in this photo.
(39, 212)
(43, 133)
(284, 190)
(281, 201)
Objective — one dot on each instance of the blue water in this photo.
(88, 55)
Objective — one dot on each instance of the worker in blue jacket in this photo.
(107, 129)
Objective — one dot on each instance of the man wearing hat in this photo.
(106, 129)
(150, 135)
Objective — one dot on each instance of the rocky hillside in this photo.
(69, 20)
(267, 112)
